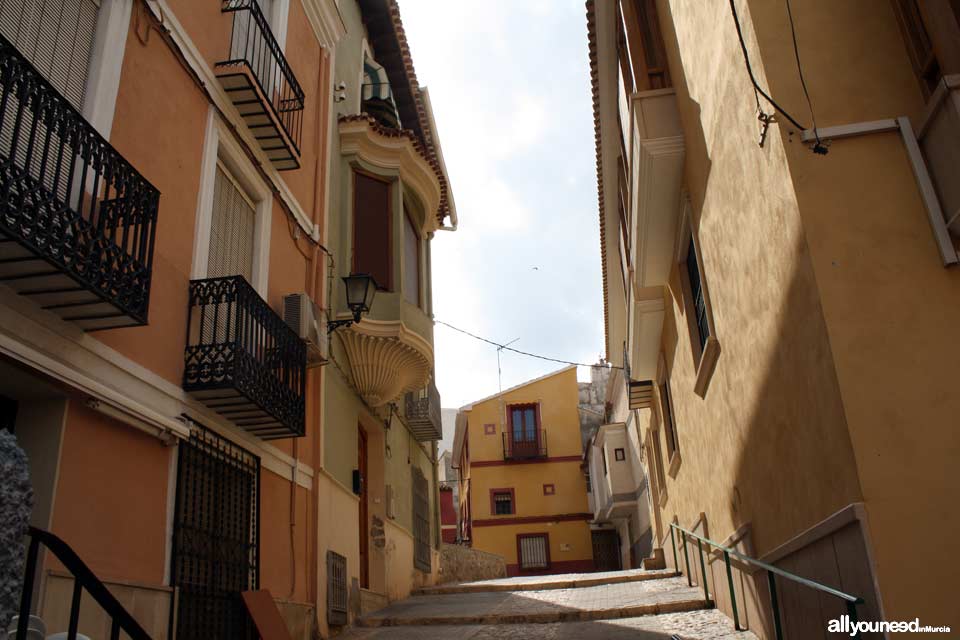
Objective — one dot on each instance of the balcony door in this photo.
(524, 426)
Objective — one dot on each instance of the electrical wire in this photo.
(819, 147)
(756, 86)
(523, 353)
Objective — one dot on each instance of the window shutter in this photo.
(57, 37)
(231, 230)
(371, 229)
(411, 261)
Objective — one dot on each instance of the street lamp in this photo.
(360, 291)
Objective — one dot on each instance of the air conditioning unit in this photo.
(303, 316)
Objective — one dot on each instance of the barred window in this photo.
(421, 522)
(502, 503)
(533, 551)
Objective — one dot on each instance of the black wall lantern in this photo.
(360, 291)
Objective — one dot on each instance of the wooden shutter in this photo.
(232, 228)
(57, 37)
(371, 229)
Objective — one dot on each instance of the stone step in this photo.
(542, 583)
(703, 624)
(601, 602)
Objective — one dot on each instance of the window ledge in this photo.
(708, 364)
(663, 497)
(675, 461)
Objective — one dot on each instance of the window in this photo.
(696, 295)
(533, 551)
(411, 260)
(371, 229)
(920, 23)
(619, 455)
(523, 422)
(232, 229)
(56, 37)
(669, 427)
(640, 45)
(502, 502)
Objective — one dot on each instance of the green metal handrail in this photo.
(850, 600)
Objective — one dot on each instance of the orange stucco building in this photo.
(522, 494)
(167, 273)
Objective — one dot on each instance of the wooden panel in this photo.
(371, 229)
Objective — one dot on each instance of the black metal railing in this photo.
(252, 43)
(525, 446)
(69, 197)
(422, 413)
(83, 580)
(235, 341)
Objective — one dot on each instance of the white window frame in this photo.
(219, 147)
(106, 63)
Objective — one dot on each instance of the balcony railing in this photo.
(525, 446)
(422, 412)
(242, 360)
(77, 221)
(262, 85)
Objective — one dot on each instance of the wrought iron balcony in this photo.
(422, 412)
(242, 360)
(77, 221)
(525, 446)
(262, 85)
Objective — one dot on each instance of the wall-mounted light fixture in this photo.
(360, 291)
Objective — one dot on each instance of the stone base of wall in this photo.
(464, 564)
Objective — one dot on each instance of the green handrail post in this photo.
(775, 605)
(852, 612)
(686, 557)
(733, 592)
(703, 572)
(673, 543)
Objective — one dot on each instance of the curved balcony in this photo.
(390, 351)
(77, 221)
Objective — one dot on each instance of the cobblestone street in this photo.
(628, 604)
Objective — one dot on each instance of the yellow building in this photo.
(522, 494)
(784, 318)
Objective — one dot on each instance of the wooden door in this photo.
(364, 516)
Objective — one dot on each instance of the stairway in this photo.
(638, 604)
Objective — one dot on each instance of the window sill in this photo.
(663, 497)
(675, 461)
(708, 364)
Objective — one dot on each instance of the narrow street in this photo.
(637, 604)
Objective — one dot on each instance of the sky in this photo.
(509, 83)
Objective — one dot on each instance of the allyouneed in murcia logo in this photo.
(844, 624)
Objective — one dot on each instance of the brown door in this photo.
(364, 521)
(606, 550)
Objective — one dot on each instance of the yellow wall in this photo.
(564, 514)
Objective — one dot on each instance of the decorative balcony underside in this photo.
(422, 413)
(262, 86)
(641, 394)
(243, 361)
(386, 360)
(77, 221)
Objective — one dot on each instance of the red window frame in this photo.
(524, 405)
(549, 489)
(513, 501)
(546, 544)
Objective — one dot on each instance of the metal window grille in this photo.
(337, 594)
(216, 536)
(502, 503)
(421, 522)
(533, 552)
(669, 426)
(696, 293)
